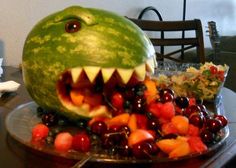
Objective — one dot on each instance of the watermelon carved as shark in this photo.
(82, 44)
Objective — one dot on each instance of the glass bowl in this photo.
(202, 81)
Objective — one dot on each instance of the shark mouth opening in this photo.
(82, 89)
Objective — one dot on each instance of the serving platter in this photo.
(21, 120)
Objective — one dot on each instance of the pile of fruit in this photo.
(89, 70)
(146, 121)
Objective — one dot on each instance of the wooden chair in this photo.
(175, 26)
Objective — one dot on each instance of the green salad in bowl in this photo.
(202, 81)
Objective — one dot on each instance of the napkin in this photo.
(8, 86)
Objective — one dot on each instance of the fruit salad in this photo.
(90, 72)
(146, 121)
(203, 82)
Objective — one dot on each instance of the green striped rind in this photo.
(105, 39)
(111, 41)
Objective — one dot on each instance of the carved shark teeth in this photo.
(107, 73)
(75, 73)
(140, 71)
(91, 72)
(151, 64)
(125, 74)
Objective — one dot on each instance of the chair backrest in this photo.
(175, 26)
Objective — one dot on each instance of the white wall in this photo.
(17, 17)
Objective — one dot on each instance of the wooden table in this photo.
(15, 155)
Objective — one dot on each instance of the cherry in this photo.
(166, 90)
(139, 104)
(197, 119)
(182, 102)
(124, 130)
(143, 150)
(191, 109)
(124, 149)
(207, 136)
(202, 107)
(214, 125)
(222, 118)
(107, 141)
(153, 124)
(167, 97)
(112, 137)
(99, 127)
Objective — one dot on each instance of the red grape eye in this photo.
(72, 26)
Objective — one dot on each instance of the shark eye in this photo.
(72, 26)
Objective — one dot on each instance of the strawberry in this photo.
(81, 142)
(63, 141)
(39, 132)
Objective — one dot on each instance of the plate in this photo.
(21, 120)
